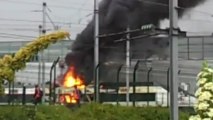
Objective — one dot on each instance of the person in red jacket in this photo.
(37, 95)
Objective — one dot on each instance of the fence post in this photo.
(134, 81)
(54, 79)
(148, 80)
(188, 48)
(189, 95)
(54, 84)
(24, 95)
(117, 83)
(96, 93)
(13, 93)
(168, 86)
(203, 49)
(50, 86)
(9, 93)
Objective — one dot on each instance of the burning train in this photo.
(68, 86)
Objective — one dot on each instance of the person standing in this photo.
(37, 95)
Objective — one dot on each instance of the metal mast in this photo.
(39, 59)
(96, 48)
(42, 53)
(173, 15)
(127, 64)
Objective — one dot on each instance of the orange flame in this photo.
(71, 79)
(68, 99)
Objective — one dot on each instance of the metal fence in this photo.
(149, 83)
(199, 47)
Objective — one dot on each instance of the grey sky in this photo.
(75, 11)
(198, 20)
(65, 11)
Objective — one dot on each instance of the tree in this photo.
(10, 64)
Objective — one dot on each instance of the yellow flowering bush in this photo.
(10, 64)
(204, 94)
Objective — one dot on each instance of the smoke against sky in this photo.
(115, 16)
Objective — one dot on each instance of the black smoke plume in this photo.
(115, 16)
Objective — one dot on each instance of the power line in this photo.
(205, 32)
(197, 11)
(17, 35)
(179, 7)
(23, 29)
(37, 21)
(66, 7)
(74, 3)
(150, 28)
(198, 20)
(55, 27)
(80, 8)
(145, 1)
(105, 46)
(17, 25)
(15, 10)
(55, 6)
(154, 3)
(2, 36)
(11, 37)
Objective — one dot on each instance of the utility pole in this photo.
(173, 16)
(39, 59)
(127, 64)
(44, 5)
(96, 49)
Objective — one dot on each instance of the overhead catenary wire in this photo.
(37, 21)
(154, 3)
(82, 5)
(201, 33)
(145, 1)
(11, 37)
(80, 8)
(90, 46)
(17, 36)
(198, 20)
(179, 7)
(38, 4)
(10, 34)
(55, 27)
(21, 29)
(18, 25)
(197, 11)
(133, 31)
(137, 37)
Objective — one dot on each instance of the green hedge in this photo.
(86, 112)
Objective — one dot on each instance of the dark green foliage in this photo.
(86, 112)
